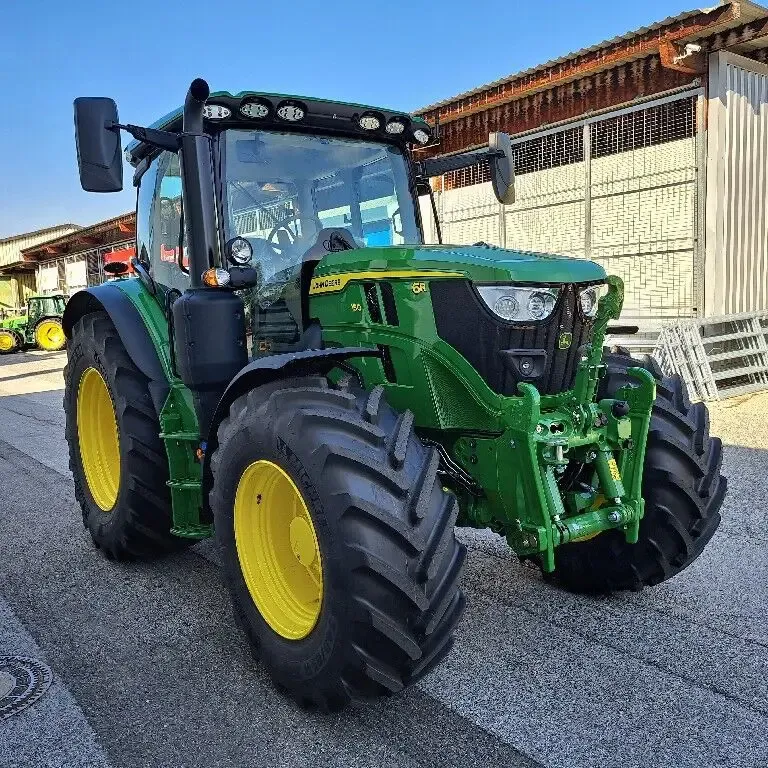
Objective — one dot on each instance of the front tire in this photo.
(682, 487)
(9, 342)
(117, 458)
(387, 558)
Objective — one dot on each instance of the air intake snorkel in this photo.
(194, 103)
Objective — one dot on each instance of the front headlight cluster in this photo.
(526, 304)
(518, 304)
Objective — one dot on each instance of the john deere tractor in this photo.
(39, 326)
(295, 372)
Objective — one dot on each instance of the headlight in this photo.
(589, 298)
(517, 304)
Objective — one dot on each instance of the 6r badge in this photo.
(565, 340)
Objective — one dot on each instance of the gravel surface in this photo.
(149, 656)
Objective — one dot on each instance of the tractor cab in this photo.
(287, 180)
(39, 307)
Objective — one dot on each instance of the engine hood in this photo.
(481, 264)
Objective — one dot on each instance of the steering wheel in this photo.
(286, 232)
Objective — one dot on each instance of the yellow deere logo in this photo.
(565, 340)
(418, 288)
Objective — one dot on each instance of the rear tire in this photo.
(682, 487)
(138, 524)
(384, 527)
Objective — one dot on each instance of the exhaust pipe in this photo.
(192, 121)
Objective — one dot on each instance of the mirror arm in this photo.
(437, 166)
(153, 136)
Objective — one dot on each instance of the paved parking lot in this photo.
(149, 669)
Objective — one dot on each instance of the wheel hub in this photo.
(277, 549)
(98, 439)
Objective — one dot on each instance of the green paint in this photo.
(178, 422)
(515, 448)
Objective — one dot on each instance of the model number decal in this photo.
(614, 469)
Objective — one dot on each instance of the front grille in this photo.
(466, 323)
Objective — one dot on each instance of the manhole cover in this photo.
(22, 682)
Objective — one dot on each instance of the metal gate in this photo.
(621, 189)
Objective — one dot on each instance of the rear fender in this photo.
(130, 327)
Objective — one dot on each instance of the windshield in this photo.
(282, 189)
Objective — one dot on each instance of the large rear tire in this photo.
(682, 487)
(377, 538)
(117, 458)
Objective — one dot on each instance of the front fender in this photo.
(269, 369)
(130, 327)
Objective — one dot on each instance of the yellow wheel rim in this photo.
(278, 551)
(98, 439)
(49, 335)
(7, 341)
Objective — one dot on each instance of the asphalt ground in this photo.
(150, 669)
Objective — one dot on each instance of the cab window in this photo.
(160, 233)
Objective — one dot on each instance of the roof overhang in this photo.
(666, 38)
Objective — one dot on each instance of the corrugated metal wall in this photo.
(736, 270)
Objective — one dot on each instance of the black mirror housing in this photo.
(502, 165)
(99, 150)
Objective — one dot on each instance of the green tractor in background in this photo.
(294, 372)
(39, 326)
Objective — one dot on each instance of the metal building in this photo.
(76, 260)
(646, 153)
(17, 278)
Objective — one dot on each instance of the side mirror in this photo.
(502, 165)
(99, 151)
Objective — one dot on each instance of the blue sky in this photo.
(402, 54)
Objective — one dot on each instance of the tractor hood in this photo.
(481, 264)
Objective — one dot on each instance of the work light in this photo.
(239, 251)
(216, 111)
(255, 109)
(370, 122)
(290, 111)
(395, 126)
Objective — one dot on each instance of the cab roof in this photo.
(335, 117)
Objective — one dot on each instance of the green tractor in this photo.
(39, 326)
(295, 372)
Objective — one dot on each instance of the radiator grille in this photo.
(464, 322)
